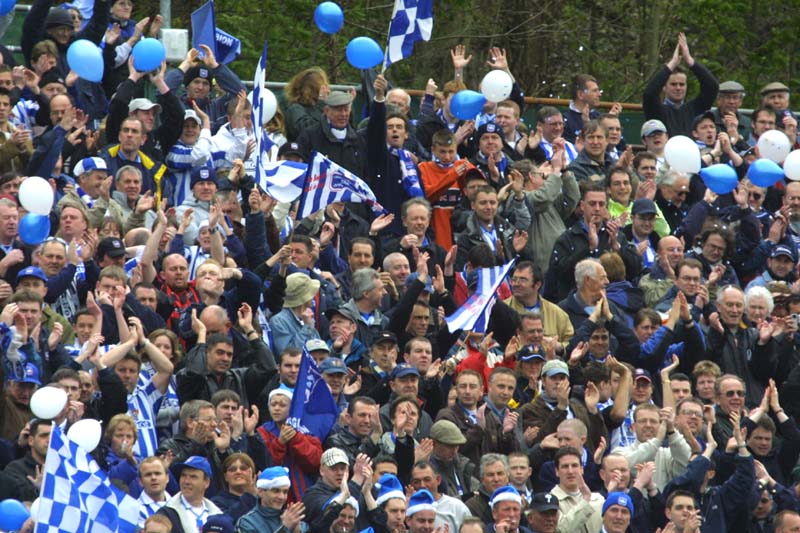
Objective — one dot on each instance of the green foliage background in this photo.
(548, 41)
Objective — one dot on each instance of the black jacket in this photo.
(678, 119)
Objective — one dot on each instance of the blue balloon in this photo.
(6, 6)
(148, 55)
(363, 53)
(12, 515)
(86, 59)
(764, 172)
(33, 229)
(329, 17)
(720, 178)
(467, 104)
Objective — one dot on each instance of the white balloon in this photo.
(496, 85)
(682, 154)
(48, 402)
(774, 145)
(791, 165)
(270, 104)
(86, 433)
(35, 511)
(36, 195)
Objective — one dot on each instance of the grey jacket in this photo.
(550, 206)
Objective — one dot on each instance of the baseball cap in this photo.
(701, 117)
(782, 249)
(731, 87)
(774, 87)
(555, 367)
(644, 206)
(218, 523)
(385, 336)
(530, 352)
(446, 432)
(543, 502)
(338, 98)
(641, 373)
(403, 369)
(291, 148)
(111, 246)
(89, 164)
(343, 311)
(143, 104)
(190, 114)
(333, 365)
(652, 126)
(31, 375)
(196, 462)
(312, 345)
(334, 456)
(31, 272)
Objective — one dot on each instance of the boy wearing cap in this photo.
(189, 510)
(192, 149)
(490, 158)
(197, 73)
(93, 190)
(272, 513)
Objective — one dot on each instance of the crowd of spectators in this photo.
(638, 372)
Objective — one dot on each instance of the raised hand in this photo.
(497, 58)
(457, 56)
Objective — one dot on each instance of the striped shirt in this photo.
(148, 507)
(180, 161)
(140, 407)
(572, 153)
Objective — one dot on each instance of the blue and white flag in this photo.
(77, 496)
(412, 21)
(283, 180)
(474, 314)
(326, 183)
(313, 410)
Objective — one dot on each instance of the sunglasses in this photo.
(732, 393)
(755, 195)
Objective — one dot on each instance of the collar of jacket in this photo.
(498, 224)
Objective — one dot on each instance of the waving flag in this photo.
(326, 183)
(77, 496)
(313, 410)
(412, 21)
(474, 314)
(283, 180)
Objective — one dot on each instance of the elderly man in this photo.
(415, 214)
(590, 281)
(368, 292)
(748, 352)
(727, 116)
(334, 137)
(14, 255)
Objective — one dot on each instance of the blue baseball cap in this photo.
(333, 365)
(31, 375)
(531, 352)
(31, 272)
(196, 462)
(404, 369)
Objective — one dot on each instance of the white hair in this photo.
(586, 269)
(759, 292)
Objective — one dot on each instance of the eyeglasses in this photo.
(732, 393)
(693, 414)
(554, 123)
(520, 280)
(211, 420)
(755, 195)
(675, 250)
(599, 338)
(237, 468)
(681, 193)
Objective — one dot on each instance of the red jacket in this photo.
(301, 457)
